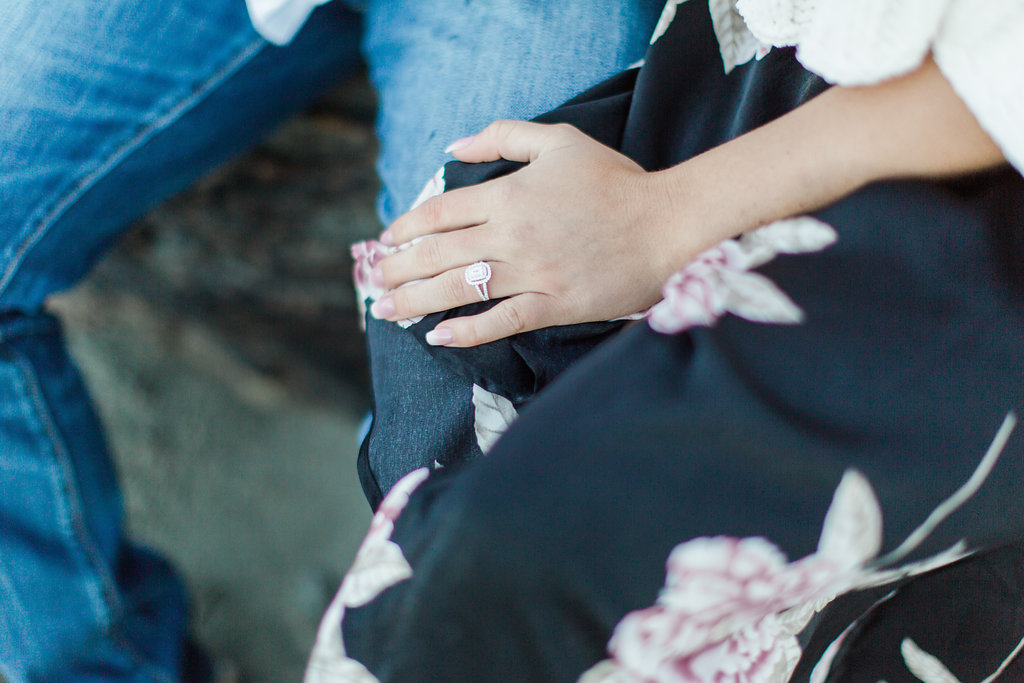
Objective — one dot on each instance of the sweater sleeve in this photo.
(868, 41)
(975, 50)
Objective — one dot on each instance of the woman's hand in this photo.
(577, 235)
(584, 234)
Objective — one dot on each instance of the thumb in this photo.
(512, 140)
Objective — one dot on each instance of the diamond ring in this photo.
(478, 275)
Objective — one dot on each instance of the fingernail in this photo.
(461, 143)
(439, 336)
(377, 276)
(383, 308)
(387, 239)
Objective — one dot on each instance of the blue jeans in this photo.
(109, 106)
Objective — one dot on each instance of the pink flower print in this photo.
(693, 296)
(723, 614)
(720, 280)
(379, 564)
(731, 608)
(366, 256)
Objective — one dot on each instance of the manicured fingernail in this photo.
(387, 239)
(377, 276)
(439, 336)
(383, 308)
(461, 143)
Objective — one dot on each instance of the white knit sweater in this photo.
(849, 42)
(860, 42)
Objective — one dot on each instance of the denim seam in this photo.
(14, 624)
(32, 390)
(125, 149)
(109, 601)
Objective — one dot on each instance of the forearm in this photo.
(914, 126)
(554, 229)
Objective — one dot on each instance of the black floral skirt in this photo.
(810, 470)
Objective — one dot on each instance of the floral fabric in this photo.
(838, 496)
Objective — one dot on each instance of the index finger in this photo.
(454, 210)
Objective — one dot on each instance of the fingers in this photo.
(446, 291)
(435, 255)
(454, 210)
(522, 313)
(513, 140)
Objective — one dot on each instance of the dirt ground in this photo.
(221, 344)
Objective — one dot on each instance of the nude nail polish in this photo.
(461, 143)
(439, 336)
(383, 308)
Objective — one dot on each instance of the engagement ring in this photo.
(478, 275)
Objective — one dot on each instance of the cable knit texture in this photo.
(974, 43)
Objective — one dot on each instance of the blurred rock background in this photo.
(221, 343)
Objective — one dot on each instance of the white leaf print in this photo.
(606, 671)
(882, 577)
(328, 649)
(492, 416)
(755, 297)
(821, 669)
(962, 494)
(799, 235)
(667, 15)
(852, 532)
(731, 607)
(737, 43)
(343, 670)
(377, 566)
(717, 281)
(925, 666)
(1006, 662)
(434, 187)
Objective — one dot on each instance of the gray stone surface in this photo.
(222, 346)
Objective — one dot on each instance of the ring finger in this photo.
(445, 291)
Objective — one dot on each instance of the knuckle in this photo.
(469, 333)
(500, 128)
(453, 288)
(502, 190)
(564, 129)
(433, 210)
(429, 254)
(393, 271)
(512, 318)
(400, 298)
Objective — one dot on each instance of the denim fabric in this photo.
(108, 108)
(490, 60)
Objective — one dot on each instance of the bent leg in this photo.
(444, 70)
(523, 564)
(108, 108)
